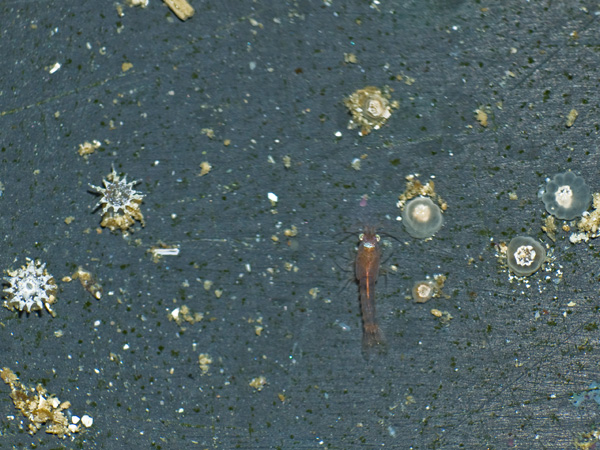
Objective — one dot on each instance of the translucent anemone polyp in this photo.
(525, 255)
(423, 291)
(422, 218)
(566, 196)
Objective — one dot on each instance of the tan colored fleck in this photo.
(208, 132)
(205, 361)
(88, 282)
(414, 188)
(87, 148)
(184, 314)
(291, 232)
(39, 407)
(181, 8)
(287, 161)
(350, 58)
(258, 383)
(205, 167)
(481, 117)
(571, 117)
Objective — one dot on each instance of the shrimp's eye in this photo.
(377, 237)
(361, 236)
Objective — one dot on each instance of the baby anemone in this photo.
(566, 196)
(422, 218)
(525, 255)
(424, 290)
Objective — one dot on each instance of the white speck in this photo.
(180, 410)
(248, 268)
(173, 251)
(156, 163)
(175, 313)
(75, 419)
(338, 134)
(342, 325)
(273, 197)
(173, 216)
(252, 65)
(55, 67)
(126, 347)
(87, 421)
(97, 323)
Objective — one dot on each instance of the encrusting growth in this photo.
(120, 202)
(370, 109)
(30, 288)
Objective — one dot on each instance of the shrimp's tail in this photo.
(373, 340)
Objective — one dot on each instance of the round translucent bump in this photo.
(422, 218)
(525, 255)
(423, 291)
(566, 196)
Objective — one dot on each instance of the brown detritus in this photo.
(183, 314)
(587, 441)
(589, 224)
(571, 117)
(258, 383)
(39, 407)
(291, 232)
(204, 360)
(481, 117)
(414, 188)
(208, 132)
(88, 282)
(549, 227)
(444, 316)
(88, 148)
(141, 3)
(181, 8)
(205, 167)
(350, 58)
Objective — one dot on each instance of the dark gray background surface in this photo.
(499, 375)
